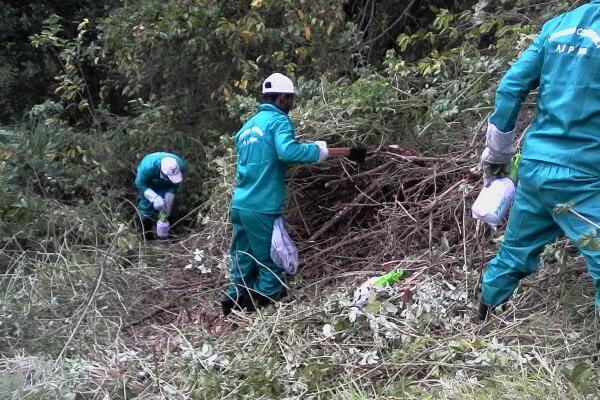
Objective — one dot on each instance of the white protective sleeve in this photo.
(151, 195)
(157, 201)
(498, 141)
(323, 150)
(169, 200)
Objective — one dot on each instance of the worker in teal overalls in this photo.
(158, 178)
(266, 144)
(561, 155)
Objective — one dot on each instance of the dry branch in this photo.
(372, 187)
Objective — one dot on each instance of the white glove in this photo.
(158, 203)
(155, 199)
(497, 153)
(169, 199)
(323, 150)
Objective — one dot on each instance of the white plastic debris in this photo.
(162, 229)
(369, 289)
(493, 201)
(365, 292)
(283, 250)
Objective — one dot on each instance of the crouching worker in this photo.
(158, 177)
(266, 144)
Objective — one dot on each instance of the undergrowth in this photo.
(89, 310)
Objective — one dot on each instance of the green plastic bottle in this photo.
(366, 292)
(390, 278)
(514, 168)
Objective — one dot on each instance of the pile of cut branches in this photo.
(349, 217)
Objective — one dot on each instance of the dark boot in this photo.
(263, 301)
(483, 312)
(148, 229)
(229, 303)
(280, 295)
(257, 300)
(248, 303)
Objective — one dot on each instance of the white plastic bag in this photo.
(366, 292)
(283, 250)
(493, 201)
(162, 229)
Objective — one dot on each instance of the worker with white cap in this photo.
(266, 144)
(158, 177)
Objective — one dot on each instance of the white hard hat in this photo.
(278, 83)
(170, 168)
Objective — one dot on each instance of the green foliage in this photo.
(50, 177)
(562, 209)
(190, 55)
(26, 73)
(105, 88)
(589, 240)
(582, 376)
(73, 55)
(179, 76)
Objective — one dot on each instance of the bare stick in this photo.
(361, 175)
(345, 211)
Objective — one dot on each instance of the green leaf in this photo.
(564, 208)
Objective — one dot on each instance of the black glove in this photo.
(357, 154)
(494, 165)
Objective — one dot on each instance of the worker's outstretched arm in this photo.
(521, 78)
(289, 150)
